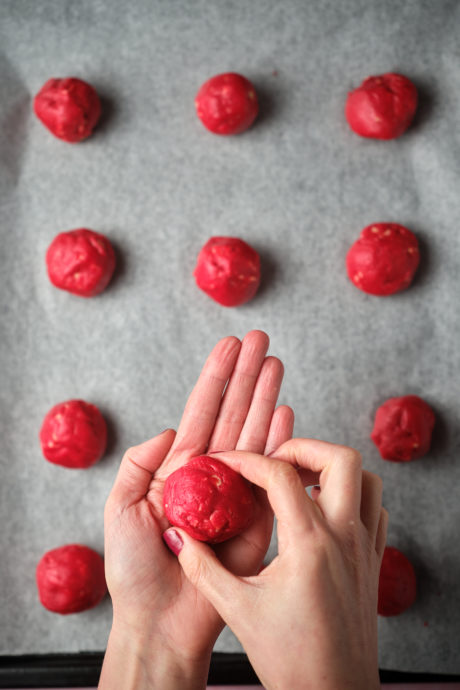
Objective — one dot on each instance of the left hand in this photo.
(232, 406)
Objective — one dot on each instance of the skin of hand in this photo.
(163, 628)
(309, 619)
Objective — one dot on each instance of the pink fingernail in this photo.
(173, 541)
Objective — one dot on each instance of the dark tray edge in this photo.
(83, 669)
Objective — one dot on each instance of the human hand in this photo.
(155, 605)
(309, 619)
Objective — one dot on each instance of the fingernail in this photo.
(173, 541)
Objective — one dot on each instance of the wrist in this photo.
(136, 662)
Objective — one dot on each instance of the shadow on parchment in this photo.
(271, 96)
(427, 99)
(109, 111)
(14, 124)
(269, 272)
(122, 261)
(440, 439)
(112, 435)
(426, 263)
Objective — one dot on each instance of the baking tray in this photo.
(299, 186)
(83, 670)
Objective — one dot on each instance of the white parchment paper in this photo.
(299, 186)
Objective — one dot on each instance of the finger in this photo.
(201, 566)
(294, 510)
(340, 475)
(137, 468)
(382, 529)
(238, 395)
(203, 403)
(281, 428)
(255, 430)
(244, 554)
(371, 502)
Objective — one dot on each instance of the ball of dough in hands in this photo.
(209, 500)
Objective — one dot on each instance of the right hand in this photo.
(309, 619)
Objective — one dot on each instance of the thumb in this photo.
(203, 569)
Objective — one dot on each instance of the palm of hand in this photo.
(148, 587)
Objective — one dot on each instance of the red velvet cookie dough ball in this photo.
(73, 434)
(80, 261)
(384, 259)
(69, 108)
(402, 428)
(70, 579)
(228, 270)
(382, 107)
(397, 583)
(209, 500)
(227, 104)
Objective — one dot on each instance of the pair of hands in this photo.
(310, 616)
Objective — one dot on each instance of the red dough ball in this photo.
(228, 270)
(397, 583)
(80, 261)
(73, 434)
(402, 428)
(384, 259)
(209, 500)
(69, 108)
(227, 104)
(70, 579)
(382, 107)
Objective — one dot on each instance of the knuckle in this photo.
(285, 474)
(352, 457)
(378, 481)
(374, 480)
(253, 440)
(130, 453)
(112, 510)
(197, 571)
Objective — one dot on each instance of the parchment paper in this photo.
(299, 186)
